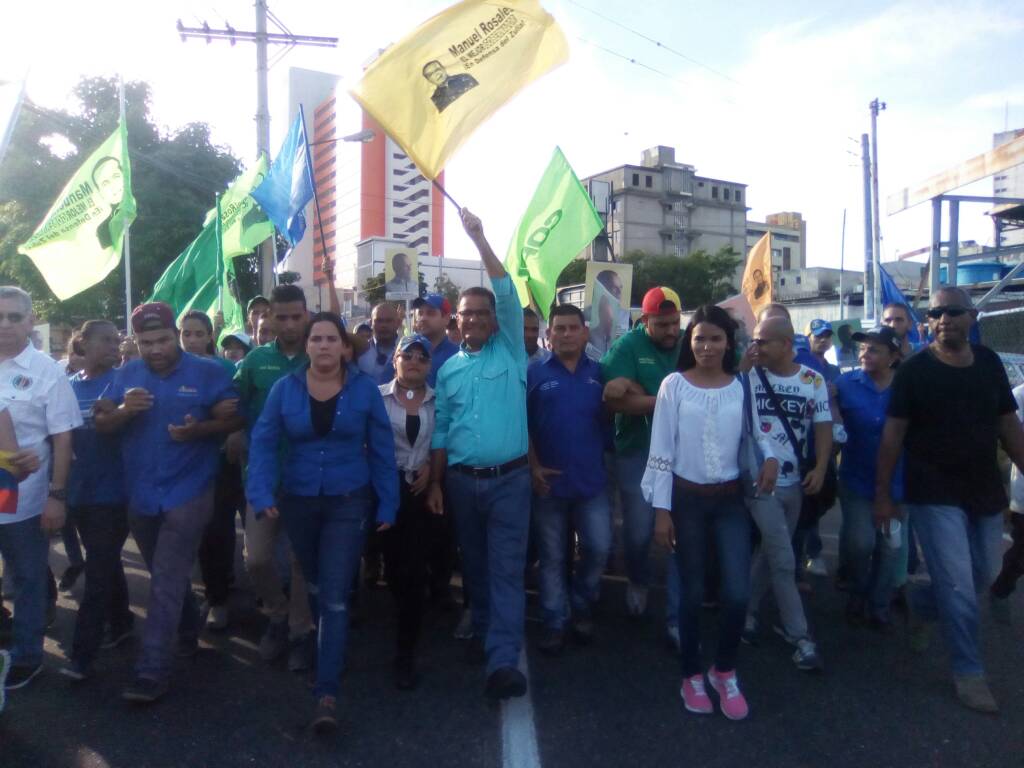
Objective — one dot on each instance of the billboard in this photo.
(401, 274)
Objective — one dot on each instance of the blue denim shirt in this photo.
(481, 396)
(159, 472)
(359, 449)
(568, 425)
(864, 407)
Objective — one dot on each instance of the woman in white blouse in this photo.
(409, 401)
(694, 481)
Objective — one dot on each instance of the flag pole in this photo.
(220, 258)
(316, 203)
(127, 230)
(444, 192)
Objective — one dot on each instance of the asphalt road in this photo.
(614, 703)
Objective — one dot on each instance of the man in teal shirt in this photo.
(479, 457)
(633, 370)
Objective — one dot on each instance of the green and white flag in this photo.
(243, 223)
(559, 223)
(194, 281)
(79, 242)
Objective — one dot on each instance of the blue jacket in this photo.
(358, 450)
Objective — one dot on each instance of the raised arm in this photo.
(475, 229)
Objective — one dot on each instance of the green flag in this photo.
(243, 223)
(193, 281)
(79, 242)
(559, 223)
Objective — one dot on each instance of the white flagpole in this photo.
(127, 235)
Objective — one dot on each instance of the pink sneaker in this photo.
(695, 698)
(730, 698)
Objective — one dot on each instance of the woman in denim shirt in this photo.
(324, 431)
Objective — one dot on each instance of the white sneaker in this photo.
(217, 618)
(636, 599)
(816, 567)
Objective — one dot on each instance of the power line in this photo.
(658, 43)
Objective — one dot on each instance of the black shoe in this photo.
(70, 576)
(505, 683)
(583, 629)
(855, 607)
(76, 671)
(475, 651)
(51, 613)
(406, 677)
(187, 648)
(21, 675)
(325, 718)
(552, 642)
(144, 690)
(115, 637)
(301, 652)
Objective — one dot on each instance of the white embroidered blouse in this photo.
(695, 434)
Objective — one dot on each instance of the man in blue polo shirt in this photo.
(478, 456)
(567, 436)
(171, 408)
(431, 314)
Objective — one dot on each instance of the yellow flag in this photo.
(432, 89)
(757, 275)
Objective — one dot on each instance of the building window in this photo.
(739, 196)
(648, 182)
(782, 281)
(725, 193)
(786, 256)
(636, 179)
(798, 280)
(714, 193)
(700, 183)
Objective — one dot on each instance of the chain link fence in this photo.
(1003, 331)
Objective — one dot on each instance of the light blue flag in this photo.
(288, 187)
(891, 294)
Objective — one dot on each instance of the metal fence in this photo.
(1003, 331)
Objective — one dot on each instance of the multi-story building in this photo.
(663, 207)
(789, 239)
(1008, 218)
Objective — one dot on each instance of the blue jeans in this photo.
(593, 523)
(962, 554)
(327, 535)
(492, 521)
(873, 567)
(24, 548)
(638, 530)
(702, 522)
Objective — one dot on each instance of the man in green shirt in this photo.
(633, 370)
(290, 621)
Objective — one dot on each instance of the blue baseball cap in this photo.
(819, 327)
(413, 340)
(435, 300)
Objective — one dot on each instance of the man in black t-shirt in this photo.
(951, 405)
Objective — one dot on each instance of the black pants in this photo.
(405, 555)
(217, 549)
(1013, 559)
(103, 530)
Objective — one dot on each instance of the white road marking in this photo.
(518, 732)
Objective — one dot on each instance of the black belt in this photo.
(498, 471)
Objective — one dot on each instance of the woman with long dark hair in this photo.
(338, 477)
(693, 480)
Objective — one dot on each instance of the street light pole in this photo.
(876, 236)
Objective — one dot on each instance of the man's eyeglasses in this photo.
(12, 317)
(418, 357)
(937, 312)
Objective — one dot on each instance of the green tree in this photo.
(699, 278)
(373, 289)
(575, 272)
(175, 176)
(444, 286)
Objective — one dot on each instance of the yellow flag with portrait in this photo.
(432, 89)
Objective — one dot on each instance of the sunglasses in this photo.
(12, 317)
(418, 357)
(937, 312)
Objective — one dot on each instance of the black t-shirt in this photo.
(321, 413)
(953, 430)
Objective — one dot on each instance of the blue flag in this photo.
(893, 295)
(288, 187)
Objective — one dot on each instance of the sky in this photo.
(773, 95)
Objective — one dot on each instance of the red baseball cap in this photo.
(661, 301)
(155, 316)
(435, 300)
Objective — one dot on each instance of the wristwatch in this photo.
(60, 494)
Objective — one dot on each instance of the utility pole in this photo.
(869, 275)
(876, 240)
(262, 39)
